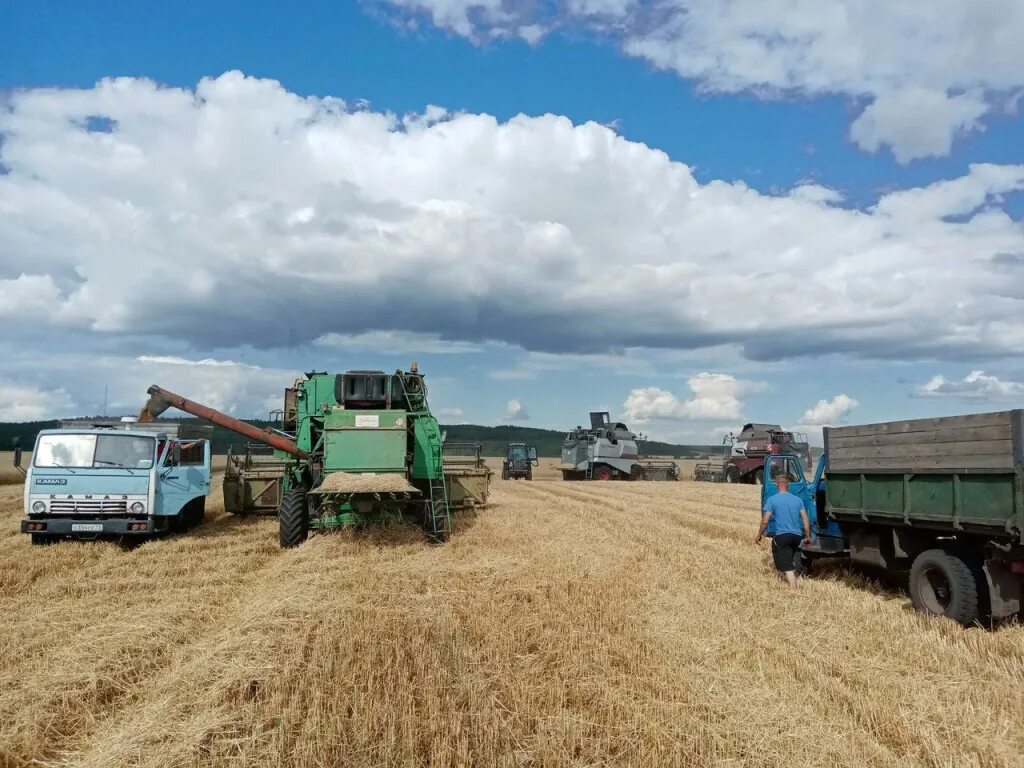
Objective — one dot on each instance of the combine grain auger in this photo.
(355, 448)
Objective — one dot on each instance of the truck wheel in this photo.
(732, 474)
(529, 474)
(42, 540)
(942, 584)
(759, 477)
(195, 513)
(293, 518)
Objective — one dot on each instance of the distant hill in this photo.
(492, 439)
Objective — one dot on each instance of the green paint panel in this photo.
(427, 462)
(883, 495)
(983, 500)
(365, 441)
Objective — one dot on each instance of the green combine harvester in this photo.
(355, 448)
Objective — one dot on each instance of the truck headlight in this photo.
(138, 508)
(39, 507)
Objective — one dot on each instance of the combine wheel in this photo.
(567, 474)
(759, 477)
(732, 474)
(604, 472)
(942, 584)
(293, 518)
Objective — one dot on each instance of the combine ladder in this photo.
(439, 518)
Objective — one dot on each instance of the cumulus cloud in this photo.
(714, 396)
(977, 385)
(826, 413)
(26, 402)
(241, 214)
(926, 71)
(516, 411)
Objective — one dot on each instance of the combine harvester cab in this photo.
(355, 448)
(92, 480)
(608, 451)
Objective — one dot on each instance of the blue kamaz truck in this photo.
(115, 479)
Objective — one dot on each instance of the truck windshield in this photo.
(86, 451)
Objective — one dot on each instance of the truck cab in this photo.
(826, 537)
(102, 482)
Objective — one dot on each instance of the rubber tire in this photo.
(568, 475)
(504, 473)
(604, 473)
(759, 477)
(529, 474)
(963, 599)
(43, 540)
(732, 474)
(293, 519)
(194, 513)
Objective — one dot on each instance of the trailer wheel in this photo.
(293, 518)
(942, 584)
(732, 474)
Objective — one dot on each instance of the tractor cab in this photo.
(520, 459)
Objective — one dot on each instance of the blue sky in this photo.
(787, 284)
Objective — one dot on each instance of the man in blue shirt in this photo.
(791, 525)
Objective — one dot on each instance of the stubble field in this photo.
(567, 624)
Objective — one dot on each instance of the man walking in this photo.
(791, 525)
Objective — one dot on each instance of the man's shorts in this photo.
(784, 547)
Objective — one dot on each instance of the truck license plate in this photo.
(87, 527)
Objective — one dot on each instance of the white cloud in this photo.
(715, 396)
(516, 411)
(827, 413)
(26, 402)
(451, 415)
(241, 214)
(396, 342)
(975, 385)
(928, 71)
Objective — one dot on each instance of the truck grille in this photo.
(89, 506)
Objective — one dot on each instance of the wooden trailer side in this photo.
(977, 443)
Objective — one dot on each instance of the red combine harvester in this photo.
(747, 451)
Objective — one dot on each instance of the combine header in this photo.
(355, 448)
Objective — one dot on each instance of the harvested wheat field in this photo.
(567, 624)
